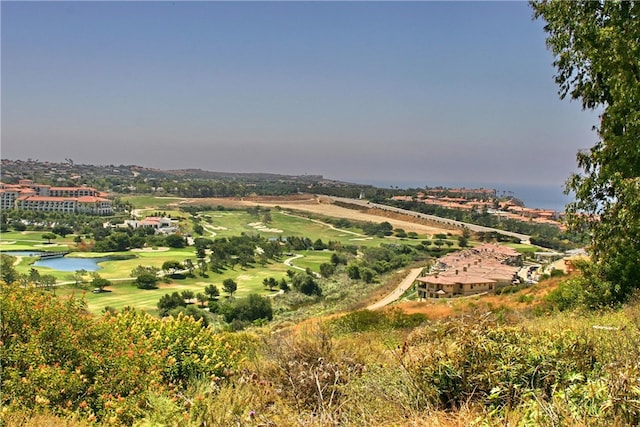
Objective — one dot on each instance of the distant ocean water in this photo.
(538, 196)
(533, 195)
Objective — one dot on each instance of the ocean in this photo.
(538, 196)
(533, 195)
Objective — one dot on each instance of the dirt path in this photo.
(397, 292)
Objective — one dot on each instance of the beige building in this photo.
(27, 195)
(481, 269)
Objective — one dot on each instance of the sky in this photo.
(388, 93)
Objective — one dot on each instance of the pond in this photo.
(62, 263)
(71, 264)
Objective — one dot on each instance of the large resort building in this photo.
(27, 195)
(485, 268)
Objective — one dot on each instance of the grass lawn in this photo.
(217, 223)
(125, 294)
(234, 222)
(523, 248)
(32, 240)
(312, 259)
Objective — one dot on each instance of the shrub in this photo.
(248, 309)
(458, 363)
(311, 370)
(367, 320)
(58, 358)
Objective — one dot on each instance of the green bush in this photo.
(58, 358)
(367, 320)
(460, 363)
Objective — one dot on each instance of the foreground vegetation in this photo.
(362, 368)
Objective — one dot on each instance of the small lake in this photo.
(71, 264)
(62, 263)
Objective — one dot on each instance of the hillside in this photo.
(316, 359)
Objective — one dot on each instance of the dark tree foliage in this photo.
(597, 56)
(175, 241)
(229, 286)
(170, 301)
(305, 283)
(248, 309)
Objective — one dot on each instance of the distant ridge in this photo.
(12, 170)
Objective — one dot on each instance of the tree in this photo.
(146, 277)
(171, 267)
(248, 309)
(147, 281)
(49, 237)
(47, 281)
(306, 284)
(170, 301)
(597, 56)
(99, 282)
(34, 277)
(319, 245)
(62, 230)
(327, 269)
(270, 282)
(188, 295)
(201, 298)
(188, 264)
(368, 275)
(7, 271)
(353, 271)
(175, 241)
(229, 286)
(212, 291)
(202, 265)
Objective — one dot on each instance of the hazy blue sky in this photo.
(418, 92)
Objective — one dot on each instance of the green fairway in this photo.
(234, 222)
(216, 224)
(32, 240)
(125, 294)
(312, 259)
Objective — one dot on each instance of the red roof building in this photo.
(28, 195)
(477, 270)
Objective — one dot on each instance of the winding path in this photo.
(406, 283)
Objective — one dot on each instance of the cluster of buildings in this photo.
(484, 268)
(506, 209)
(30, 196)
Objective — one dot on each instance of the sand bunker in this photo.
(261, 227)
(160, 249)
(7, 242)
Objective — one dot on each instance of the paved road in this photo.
(397, 292)
(459, 224)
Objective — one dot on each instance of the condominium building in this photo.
(27, 195)
(485, 268)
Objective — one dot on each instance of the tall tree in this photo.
(229, 286)
(7, 272)
(212, 291)
(597, 56)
